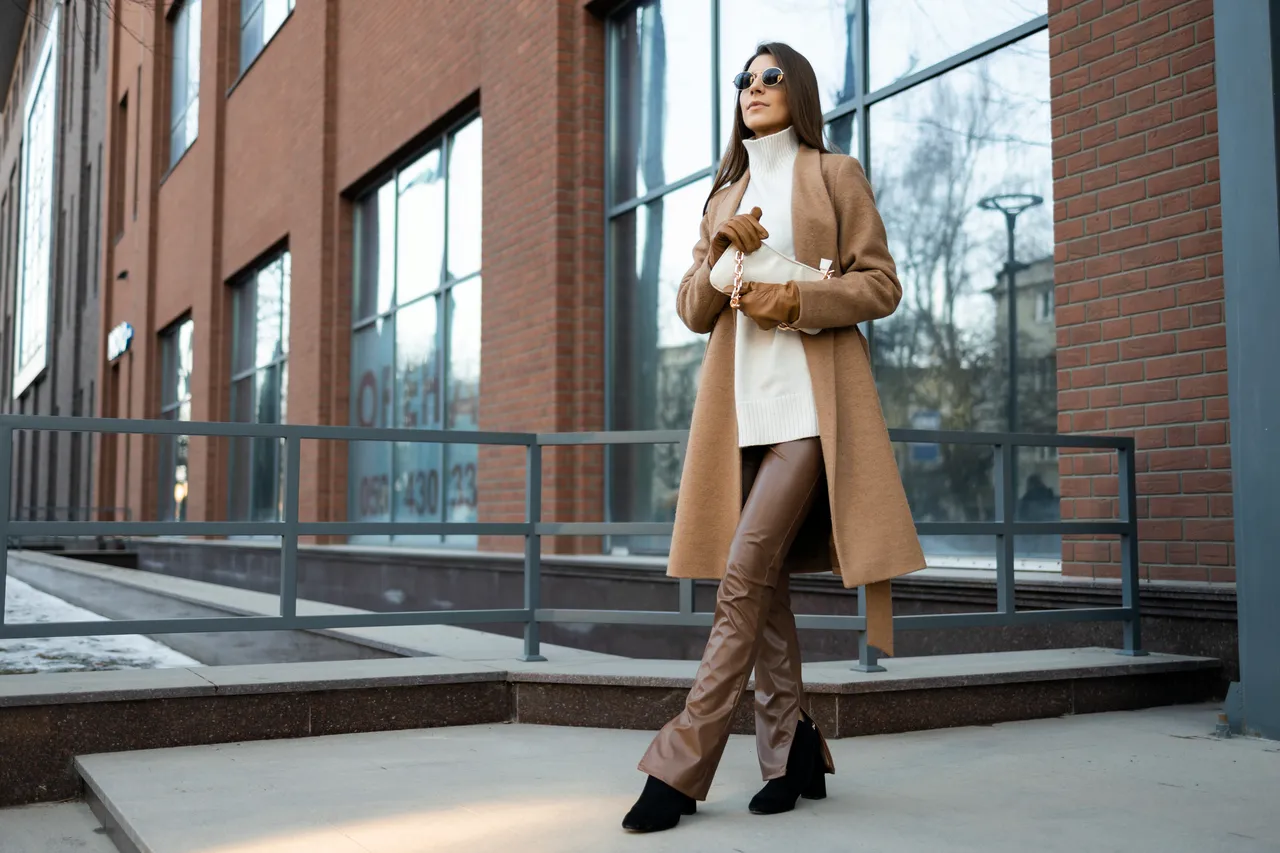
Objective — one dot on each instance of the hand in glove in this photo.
(744, 232)
(770, 305)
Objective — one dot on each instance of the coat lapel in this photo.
(813, 218)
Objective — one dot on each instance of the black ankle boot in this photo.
(807, 766)
(659, 807)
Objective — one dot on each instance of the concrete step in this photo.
(47, 720)
(1152, 780)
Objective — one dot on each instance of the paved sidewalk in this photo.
(1132, 782)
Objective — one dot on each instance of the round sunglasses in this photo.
(770, 77)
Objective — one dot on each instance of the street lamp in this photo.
(1011, 205)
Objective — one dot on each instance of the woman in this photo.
(789, 466)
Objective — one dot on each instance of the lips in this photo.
(754, 104)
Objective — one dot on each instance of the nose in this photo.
(757, 85)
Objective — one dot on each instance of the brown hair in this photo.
(801, 85)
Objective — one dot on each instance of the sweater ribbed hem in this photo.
(776, 419)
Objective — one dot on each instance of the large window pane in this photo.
(420, 226)
(375, 276)
(910, 35)
(271, 340)
(655, 358)
(176, 356)
(465, 205)
(417, 465)
(825, 31)
(463, 412)
(661, 121)
(372, 371)
(37, 195)
(267, 457)
(241, 449)
(942, 359)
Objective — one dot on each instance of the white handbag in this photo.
(766, 265)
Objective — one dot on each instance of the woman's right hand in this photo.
(744, 232)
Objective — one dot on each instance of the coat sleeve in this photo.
(698, 303)
(869, 288)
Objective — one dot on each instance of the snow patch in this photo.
(24, 604)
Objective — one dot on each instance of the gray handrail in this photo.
(1005, 528)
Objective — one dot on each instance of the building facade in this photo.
(52, 58)
(395, 214)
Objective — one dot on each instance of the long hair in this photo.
(801, 85)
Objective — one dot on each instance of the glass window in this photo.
(259, 358)
(35, 235)
(655, 358)
(967, 132)
(981, 131)
(184, 93)
(661, 122)
(259, 20)
(176, 358)
(416, 347)
(910, 35)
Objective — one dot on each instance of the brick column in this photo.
(1138, 275)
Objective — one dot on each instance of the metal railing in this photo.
(533, 615)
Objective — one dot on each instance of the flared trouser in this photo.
(753, 627)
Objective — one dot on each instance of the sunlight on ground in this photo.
(456, 828)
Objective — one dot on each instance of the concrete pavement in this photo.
(1151, 780)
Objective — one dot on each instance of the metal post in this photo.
(533, 553)
(686, 595)
(868, 655)
(1010, 271)
(6, 458)
(1006, 512)
(1129, 554)
(289, 538)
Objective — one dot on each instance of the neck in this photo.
(772, 152)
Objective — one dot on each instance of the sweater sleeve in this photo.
(698, 303)
(869, 288)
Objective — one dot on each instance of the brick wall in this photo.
(342, 93)
(1138, 273)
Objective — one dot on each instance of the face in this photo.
(764, 108)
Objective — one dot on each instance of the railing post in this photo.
(1130, 593)
(686, 595)
(533, 552)
(868, 656)
(1006, 514)
(6, 458)
(289, 536)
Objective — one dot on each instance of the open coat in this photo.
(863, 531)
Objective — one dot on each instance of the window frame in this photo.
(171, 359)
(440, 293)
(258, 9)
(182, 14)
(245, 282)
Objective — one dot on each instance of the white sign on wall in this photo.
(35, 235)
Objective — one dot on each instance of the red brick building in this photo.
(303, 201)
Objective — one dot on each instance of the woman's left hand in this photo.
(770, 305)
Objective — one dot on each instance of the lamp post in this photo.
(1011, 205)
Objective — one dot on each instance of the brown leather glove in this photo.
(744, 232)
(770, 305)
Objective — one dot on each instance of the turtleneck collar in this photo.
(773, 153)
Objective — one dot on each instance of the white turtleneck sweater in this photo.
(772, 387)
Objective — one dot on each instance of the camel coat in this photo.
(863, 531)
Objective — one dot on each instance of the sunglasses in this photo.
(770, 77)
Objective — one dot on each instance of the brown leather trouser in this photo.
(753, 626)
